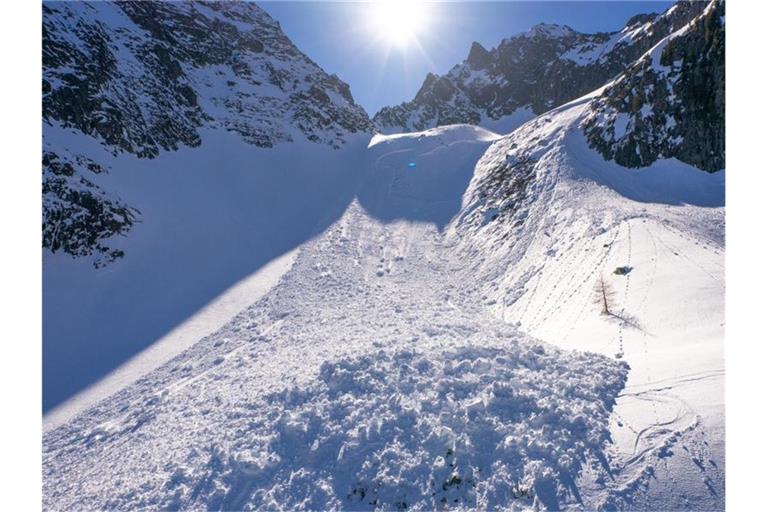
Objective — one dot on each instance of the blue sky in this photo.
(338, 37)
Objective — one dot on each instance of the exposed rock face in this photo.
(670, 103)
(145, 77)
(77, 214)
(503, 188)
(538, 70)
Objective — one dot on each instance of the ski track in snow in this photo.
(387, 369)
(671, 423)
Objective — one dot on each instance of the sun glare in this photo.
(398, 22)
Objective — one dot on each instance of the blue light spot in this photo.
(412, 164)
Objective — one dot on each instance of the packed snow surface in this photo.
(437, 346)
(207, 320)
(578, 220)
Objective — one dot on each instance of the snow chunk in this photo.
(474, 427)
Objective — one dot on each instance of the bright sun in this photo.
(399, 22)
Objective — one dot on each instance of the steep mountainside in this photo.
(185, 146)
(143, 77)
(547, 219)
(435, 343)
(544, 221)
(407, 394)
(146, 76)
(531, 73)
(416, 388)
(670, 103)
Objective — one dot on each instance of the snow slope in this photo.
(210, 216)
(397, 365)
(209, 319)
(403, 321)
(536, 260)
(186, 145)
(366, 378)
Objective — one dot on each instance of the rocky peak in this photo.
(478, 56)
(146, 76)
(429, 82)
(640, 19)
(670, 102)
(550, 31)
(535, 71)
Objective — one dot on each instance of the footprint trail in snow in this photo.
(400, 363)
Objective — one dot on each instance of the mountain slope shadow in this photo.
(214, 215)
(422, 176)
(210, 217)
(666, 181)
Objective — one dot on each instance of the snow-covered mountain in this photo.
(432, 340)
(147, 77)
(530, 73)
(391, 366)
(670, 103)
(545, 220)
(174, 135)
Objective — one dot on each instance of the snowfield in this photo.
(210, 217)
(581, 218)
(209, 319)
(437, 346)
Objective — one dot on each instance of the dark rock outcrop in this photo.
(537, 70)
(144, 77)
(670, 103)
(78, 215)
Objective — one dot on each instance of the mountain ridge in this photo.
(144, 78)
(533, 71)
(670, 102)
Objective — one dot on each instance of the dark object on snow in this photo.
(622, 271)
